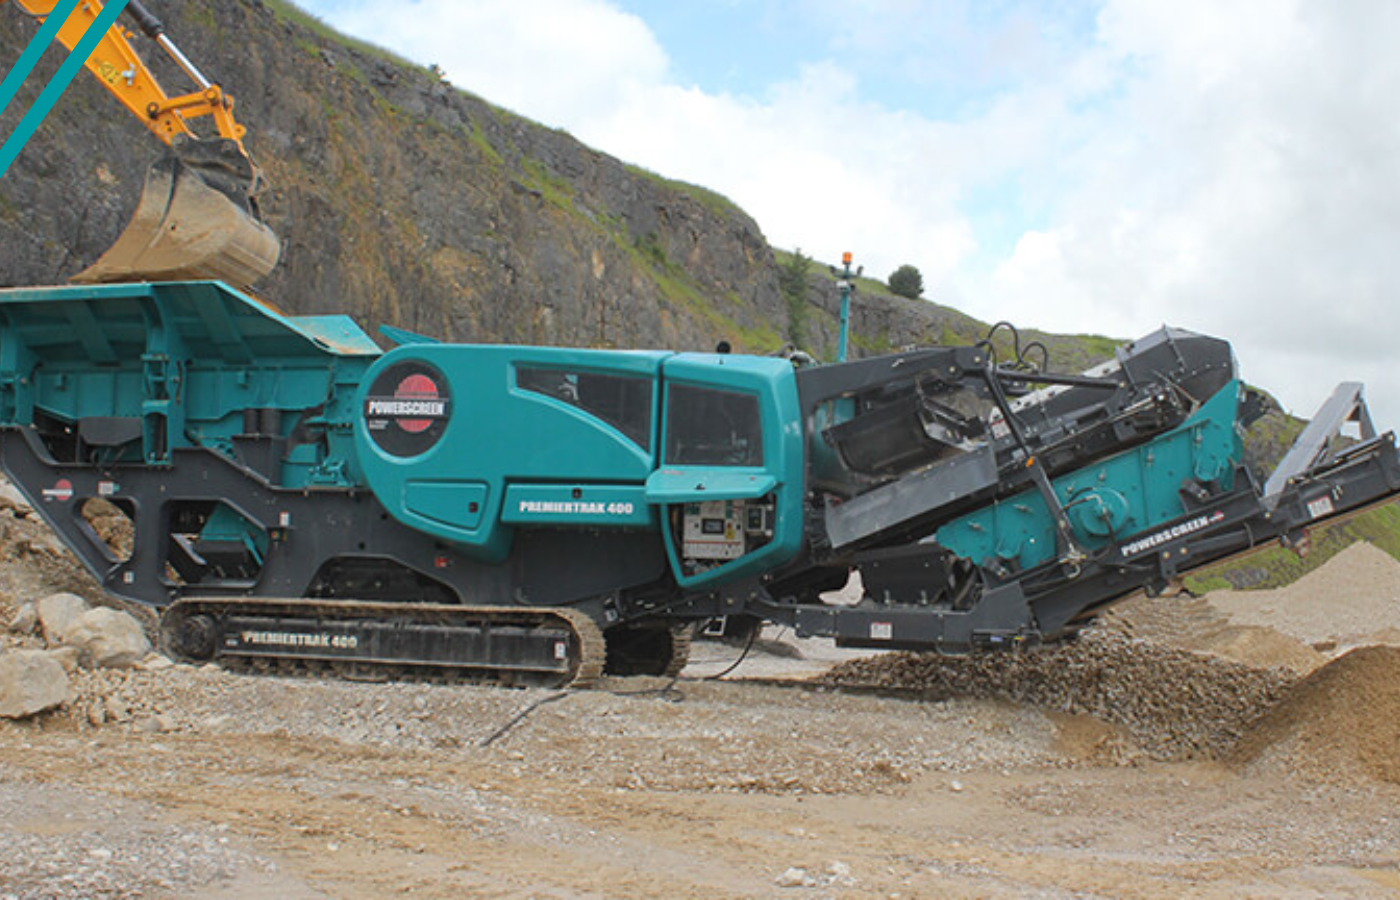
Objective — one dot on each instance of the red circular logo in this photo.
(61, 490)
(416, 387)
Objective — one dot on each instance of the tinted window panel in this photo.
(706, 427)
(623, 401)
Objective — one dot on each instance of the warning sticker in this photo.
(1320, 507)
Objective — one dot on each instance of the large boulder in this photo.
(109, 638)
(57, 613)
(30, 682)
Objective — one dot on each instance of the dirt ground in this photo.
(200, 783)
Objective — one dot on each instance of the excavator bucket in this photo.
(196, 220)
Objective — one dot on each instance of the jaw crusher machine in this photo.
(289, 495)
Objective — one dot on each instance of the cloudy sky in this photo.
(1229, 167)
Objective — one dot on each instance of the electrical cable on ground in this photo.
(520, 717)
(753, 634)
(668, 692)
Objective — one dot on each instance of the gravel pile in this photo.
(1198, 625)
(33, 562)
(1341, 723)
(1349, 601)
(1174, 704)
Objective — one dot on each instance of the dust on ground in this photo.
(1142, 761)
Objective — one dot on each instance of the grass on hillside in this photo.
(863, 284)
(1277, 566)
(289, 11)
(1068, 352)
(715, 202)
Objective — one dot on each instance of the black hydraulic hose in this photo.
(1044, 353)
(1017, 350)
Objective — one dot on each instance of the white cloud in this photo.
(818, 169)
(559, 61)
(1228, 167)
(1244, 183)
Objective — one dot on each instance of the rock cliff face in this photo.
(400, 198)
(404, 200)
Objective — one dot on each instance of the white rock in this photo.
(155, 662)
(25, 620)
(109, 637)
(68, 657)
(46, 544)
(116, 710)
(30, 682)
(150, 725)
(57, 613)
(793, 877)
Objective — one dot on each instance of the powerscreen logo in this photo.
(1175, 532)
(408, 408)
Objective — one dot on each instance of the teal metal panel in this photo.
(1114, 498)
(773, 382)
(502, 434)
(401, 336)
(338, 333)
(226, 524)
(686, 484)
(456, 504)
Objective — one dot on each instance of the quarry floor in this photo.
(559, 809)
(200, 783)
(246, 786)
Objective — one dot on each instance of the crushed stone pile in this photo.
(1264, 648)
(1174, 704)
(1352, 600)
(1195, 624)
(1340, 723)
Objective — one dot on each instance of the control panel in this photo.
(717, 531)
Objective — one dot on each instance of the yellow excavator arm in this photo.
(121, 70)
(197, 217)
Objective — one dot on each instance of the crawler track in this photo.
(376, 641)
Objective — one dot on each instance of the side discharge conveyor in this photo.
(291, 496)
